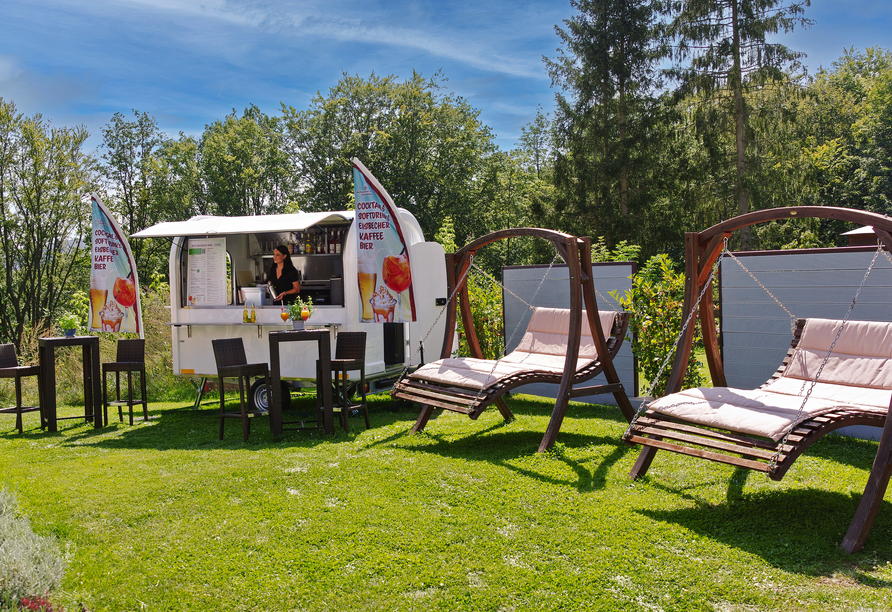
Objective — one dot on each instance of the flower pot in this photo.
(297, 324)
(69, 333)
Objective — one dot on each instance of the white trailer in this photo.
(216, 264)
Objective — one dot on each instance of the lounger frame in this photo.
(576, 252)
(656, 431)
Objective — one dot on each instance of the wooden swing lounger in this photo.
(468, 385)
(768, 428)
(562, 346)
(855, 388)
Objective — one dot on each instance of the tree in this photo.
(427, 147)
(536, 147)
(604, 115)
(721, 55)
(133, 195)
(244, 168)
(43, 219)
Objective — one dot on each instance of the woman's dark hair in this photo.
(287, 264)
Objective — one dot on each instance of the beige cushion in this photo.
(857, 374)
(542, 348)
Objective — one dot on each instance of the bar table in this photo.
(92, 394)
(323, 339)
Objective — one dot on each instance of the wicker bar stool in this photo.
(232, 363)
(130, 358)
(349, 357)
(10, 368)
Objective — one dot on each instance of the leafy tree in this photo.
(244, 168)
(43, 218)
(656, 304)
(536, 146)
(176, 174)
(129, 149)
(426, 146)
(721, 55)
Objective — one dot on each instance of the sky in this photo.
(191, 62)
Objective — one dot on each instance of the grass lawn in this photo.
(465, 516)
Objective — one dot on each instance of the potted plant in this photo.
(300, 311)
(69, 322)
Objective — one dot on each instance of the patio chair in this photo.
(130, 359)
(10, 368)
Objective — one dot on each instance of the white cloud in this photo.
(9, 68)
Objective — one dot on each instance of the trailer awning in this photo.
(207, 225)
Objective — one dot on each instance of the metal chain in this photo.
(434, 324)
(606, 301)
(516, 326)
(773, 462)
(643, 405)
(758, 282)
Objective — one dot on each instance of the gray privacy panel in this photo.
(539, 286)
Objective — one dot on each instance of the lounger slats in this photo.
(448, 399)
(699, 452)
(707, 441)
(653, 419)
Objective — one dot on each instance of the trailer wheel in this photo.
(259, 396)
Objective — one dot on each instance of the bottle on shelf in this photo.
(245, 315)
(253, 314)
(309, 247)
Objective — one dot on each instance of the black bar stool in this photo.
(130, 358)
(349, 357)
(10, 368)
(232, 363)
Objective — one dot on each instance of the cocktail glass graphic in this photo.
(124, 292)
(397, 276)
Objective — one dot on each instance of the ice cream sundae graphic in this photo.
(111, 317)
(382, 305)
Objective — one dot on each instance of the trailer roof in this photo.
(208, 225)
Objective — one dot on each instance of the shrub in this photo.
(30, 564)
(656, 304)
(486, 307)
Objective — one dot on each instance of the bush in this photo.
(486, 307)
(30, 565)
(656, 304)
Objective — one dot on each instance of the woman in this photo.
(283, 277)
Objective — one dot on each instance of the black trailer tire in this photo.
(258, 398)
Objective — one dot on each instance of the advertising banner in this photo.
(384, 272)
(114, 287)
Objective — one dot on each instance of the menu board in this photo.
(206, 284)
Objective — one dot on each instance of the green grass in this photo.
(465, 516)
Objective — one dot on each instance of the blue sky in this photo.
(190, 62)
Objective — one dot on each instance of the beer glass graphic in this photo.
(367, 276)
(98, 296)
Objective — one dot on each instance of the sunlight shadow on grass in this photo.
(794, 530)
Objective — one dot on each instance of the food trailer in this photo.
(218, 268)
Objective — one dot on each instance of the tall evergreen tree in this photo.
(721, 54)
(606, 73)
